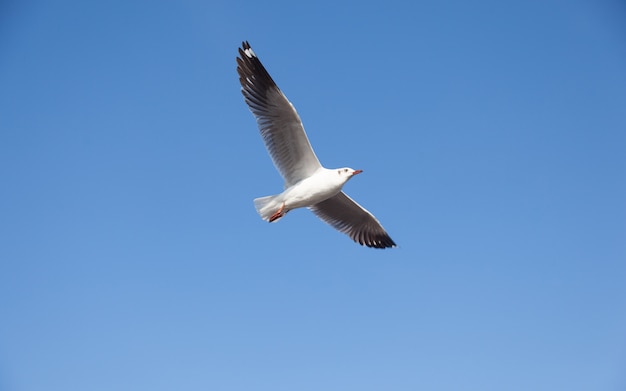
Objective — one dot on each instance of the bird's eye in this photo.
(345, 170)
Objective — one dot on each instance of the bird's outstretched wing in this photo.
(278, 121)
(345, 215)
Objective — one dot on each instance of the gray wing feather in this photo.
(346, 216)
(278, 121)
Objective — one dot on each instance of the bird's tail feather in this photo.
(267, 206)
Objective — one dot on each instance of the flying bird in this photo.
(307, 183)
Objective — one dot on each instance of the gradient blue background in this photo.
(493, 142)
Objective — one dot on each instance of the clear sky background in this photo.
(493, 142)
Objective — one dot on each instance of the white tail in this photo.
(267, 206)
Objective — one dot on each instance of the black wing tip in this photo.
(246, 50)
(253, 76)
(382, 244)
(373, 236)
(380, 241)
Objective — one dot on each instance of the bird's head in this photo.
(347, 173)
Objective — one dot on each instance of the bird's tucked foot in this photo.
(280, 213)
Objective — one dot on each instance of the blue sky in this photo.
(492, 138)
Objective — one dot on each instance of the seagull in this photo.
(307, 183)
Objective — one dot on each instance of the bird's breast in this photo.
(311, 191)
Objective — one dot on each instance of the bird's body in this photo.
(307, 182)
(322, 185)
